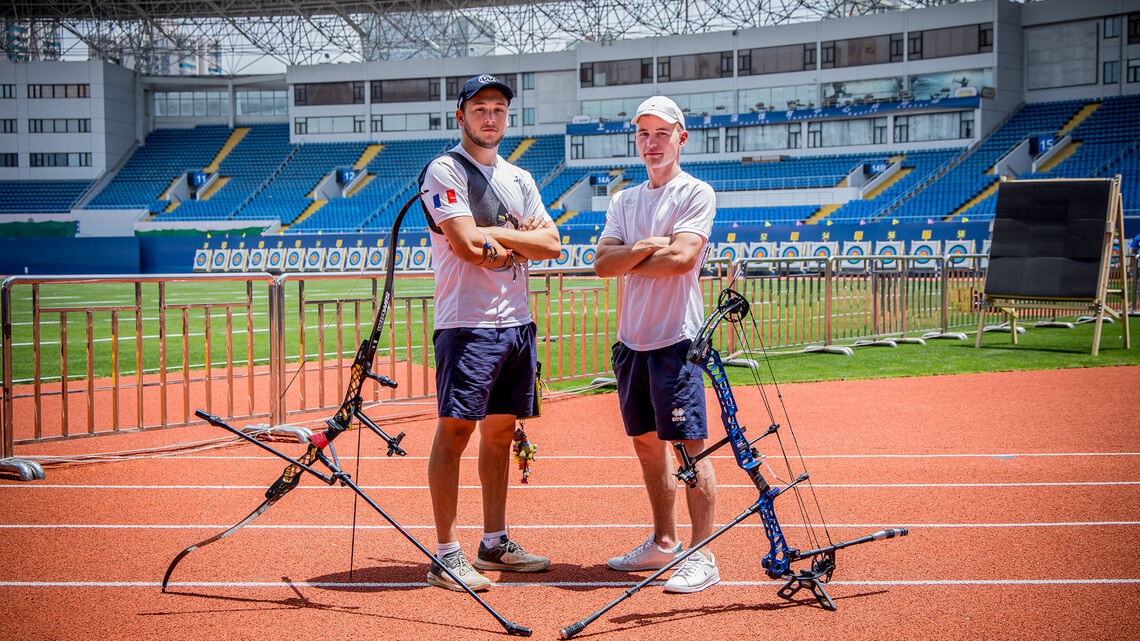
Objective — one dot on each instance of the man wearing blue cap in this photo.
(487, 220)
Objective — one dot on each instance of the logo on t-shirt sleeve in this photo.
(449, 195)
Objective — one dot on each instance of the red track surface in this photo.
(1021, 492)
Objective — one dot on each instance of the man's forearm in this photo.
(663, 263)
(614, 260)
(536, 244)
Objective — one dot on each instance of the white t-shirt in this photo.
(468, 295)
(657, 312)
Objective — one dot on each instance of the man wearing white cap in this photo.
(655, 235)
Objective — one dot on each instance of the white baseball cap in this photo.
(662, 107)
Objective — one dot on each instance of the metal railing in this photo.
(154, 348)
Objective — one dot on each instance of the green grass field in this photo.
(582, 350)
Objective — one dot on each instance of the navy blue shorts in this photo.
(481, 371)
(660, 390)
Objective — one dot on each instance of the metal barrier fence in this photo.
(255, 346)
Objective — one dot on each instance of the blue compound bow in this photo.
(778, 562)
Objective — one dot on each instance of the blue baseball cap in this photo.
(479, 83)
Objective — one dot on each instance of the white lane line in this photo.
(124, 526)
(40, 486)
(540, 584)
(633, 458)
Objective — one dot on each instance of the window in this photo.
(528, 115)
(732, 139)
(328, 93)
(452, 123)
(528, 80)
(59, 91)
(586, 77)
(1112, 27)
(951, 41)
(712, 141)
(1133, 28)
(7, 91)
(301, 126)
(815, 134)
(1134, 70)
(781, 59)
(902, 129)
(914, 46)
(966, 124)
(858, 51)
(1111, 72)
(896, 47)
(8, 126)
(577, 150)
(701, 66)
(794, 136)
(60, 160)
(985, 37)
(59, 125)
(9, 160)
(879, 131)
(827, 55)
(253, 103)
(630, 146)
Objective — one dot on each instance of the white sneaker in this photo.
(695, 574)
(647, 556)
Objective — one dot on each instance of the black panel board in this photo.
(1048, 238)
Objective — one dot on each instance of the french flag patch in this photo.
(450, 195)
(435, 201)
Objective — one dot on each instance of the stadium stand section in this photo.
(972, 177)
(40, 196)
(166, 155)
(270, 178)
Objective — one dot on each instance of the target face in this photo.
(728, 252)
(401, 256)
(419, 258)
(201, 260)
(355, 258)
(375, 259)
(274, 259)
(588, 256)
(334, 260)
(791, 252)
(760, 252)
(957, 251)
(256, 260)
(219, 259)
(293, 259)
(823, 252)
(313, 259)
(923, 250)
(563, 257)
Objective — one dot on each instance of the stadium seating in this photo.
(270, 178)
(166, 154)
(40, 196)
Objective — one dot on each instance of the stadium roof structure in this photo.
(314, 31)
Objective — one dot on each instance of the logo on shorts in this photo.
(678, 415)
